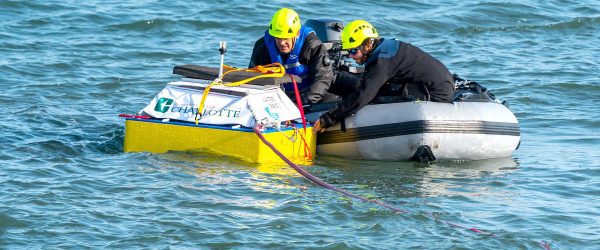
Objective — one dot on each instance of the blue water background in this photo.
(67, 68)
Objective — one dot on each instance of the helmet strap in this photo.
(294, 41)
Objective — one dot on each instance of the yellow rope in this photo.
(269, 70)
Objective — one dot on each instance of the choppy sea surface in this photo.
(67, 68)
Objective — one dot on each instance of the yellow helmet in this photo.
(284, 24)
(356, 32)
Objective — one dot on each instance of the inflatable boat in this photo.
(474, 126)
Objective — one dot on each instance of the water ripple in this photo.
(69, 69)
(574, 25)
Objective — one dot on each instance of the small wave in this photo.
(575, 86)
(29, 6)
(160, 23)
(36, 23)
(577, 140)
(7, 36)
(150, 54)
(55, 147)
(574, 24)
(110, 142)
(6, 221)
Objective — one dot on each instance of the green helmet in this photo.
(356, 32)
(284, 24)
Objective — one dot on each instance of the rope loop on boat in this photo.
(270, 70)
(307, 151)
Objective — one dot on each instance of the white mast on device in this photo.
(222, 49)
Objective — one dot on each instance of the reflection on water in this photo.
(373, 179)
(412, 179)
(205, 160)
(242, 180)
(467, 178)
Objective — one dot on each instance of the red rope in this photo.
(135, 116)
(319, 182)
(306, 146)
(299, 104)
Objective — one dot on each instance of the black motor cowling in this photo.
(328, 30)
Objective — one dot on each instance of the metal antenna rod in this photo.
(222, 49)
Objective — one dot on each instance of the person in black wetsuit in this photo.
(300, 51)
(390, 61)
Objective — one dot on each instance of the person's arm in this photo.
(258, 53)
(320, 69)
(371, 81)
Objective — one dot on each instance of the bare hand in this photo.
(317, 127)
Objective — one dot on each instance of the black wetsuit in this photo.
(314, 55)
(396, 62)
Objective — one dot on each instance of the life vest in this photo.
(292, 65)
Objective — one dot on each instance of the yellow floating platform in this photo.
(156, 136)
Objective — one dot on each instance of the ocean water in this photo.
(67, 68)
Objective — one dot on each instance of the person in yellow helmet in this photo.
(300, 51)
(388, 62)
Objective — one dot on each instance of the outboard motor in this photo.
(329, 31)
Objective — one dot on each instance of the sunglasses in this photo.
(354, 51)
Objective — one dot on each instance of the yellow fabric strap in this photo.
(269, 70)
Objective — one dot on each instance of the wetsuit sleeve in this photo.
(260, 55)
(371, 81)
(320, 69)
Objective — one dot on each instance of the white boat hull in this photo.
(452, 131)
